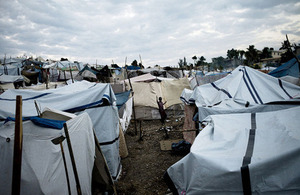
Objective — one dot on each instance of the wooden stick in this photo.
(72, 159)
(71, 73)
(132, 94)
(18, 144)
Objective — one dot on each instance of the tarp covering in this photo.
(290, 68)
(246, 84)
(43, 169)
(244, 90)
(122, 98)
(10, 70)
(146, 93)
(261, 148)
(10, 78)
(71, 98)
(75, 97)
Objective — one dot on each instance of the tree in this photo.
(180, 63)
(266, 53)
(201, 62)
(251, 55)
(233, 55)
(134, 63)
(241, 54)
(184, 62)
(194, 58)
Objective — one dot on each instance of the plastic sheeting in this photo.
(246, 84)
(146, 93)
(75, 97)
(290, 68)
(43, 169)
(214, 164)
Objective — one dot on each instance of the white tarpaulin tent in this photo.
(145, 95)
(244, 90)
(258, 152)
(76, 97)
(43, 170)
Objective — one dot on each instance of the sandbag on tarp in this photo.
(264, 145)
(42, 163)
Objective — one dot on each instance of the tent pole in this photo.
(71, 73)
(133, 109)
(72, 159)
(65, 76)
(18, 144)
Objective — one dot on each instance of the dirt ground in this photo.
(146, 163)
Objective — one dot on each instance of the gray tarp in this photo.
(42, 163)
(75, 97)
(214, 163)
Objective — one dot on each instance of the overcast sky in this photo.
(160, 31)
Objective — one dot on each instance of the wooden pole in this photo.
(18, 144)
(65, 76)
(72, 159)
(133, 109)
(132, 94)
(71, 73)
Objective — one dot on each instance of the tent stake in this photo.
(18, 144)
(72, 159)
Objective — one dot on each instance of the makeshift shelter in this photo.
(244, 90)
(255, 153)
(146, 94)
(43, 170)
(290, 68)
(11, 82)
(95, 99)
(62, 70)
(10, 70)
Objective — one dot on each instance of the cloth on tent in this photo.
(223, 147)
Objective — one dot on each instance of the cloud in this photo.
(160, 31)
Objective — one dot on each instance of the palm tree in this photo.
(251, 55)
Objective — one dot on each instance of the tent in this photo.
(145, 94)
(290, 68)
(43, 169)
(244, 90)
(95, 99)
(246, 152)
(10, 70)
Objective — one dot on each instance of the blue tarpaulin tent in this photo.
(290, 68)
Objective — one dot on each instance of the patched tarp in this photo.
(247, 152)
